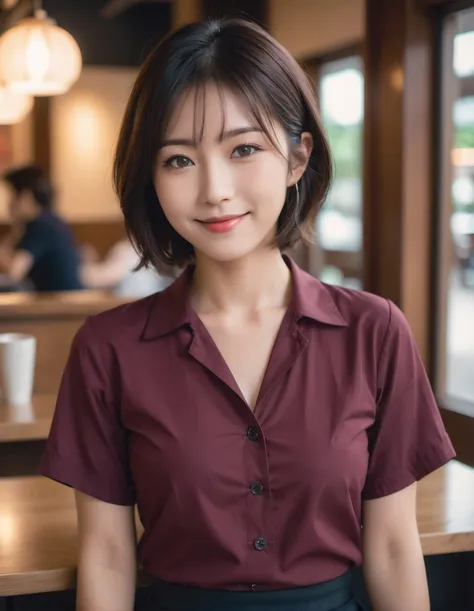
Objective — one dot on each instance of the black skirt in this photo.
(334, 595)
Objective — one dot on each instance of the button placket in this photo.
(256, 488)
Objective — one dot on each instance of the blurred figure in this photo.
(40, 248)
(116, 272)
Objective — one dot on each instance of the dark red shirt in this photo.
(148, 412)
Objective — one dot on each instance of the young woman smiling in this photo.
(270, 428)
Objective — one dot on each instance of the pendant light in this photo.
(14, 106)
(39, 58)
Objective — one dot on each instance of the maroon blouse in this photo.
(148, 412)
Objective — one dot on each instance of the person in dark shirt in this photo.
(40, 247)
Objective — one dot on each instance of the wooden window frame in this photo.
(310, 256)
(450, 89)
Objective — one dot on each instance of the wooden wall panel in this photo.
(398, 193)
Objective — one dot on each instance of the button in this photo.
(260, 544)
(253, 587)
(252, 434)
(256, 488)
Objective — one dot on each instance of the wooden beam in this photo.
(398, 163)
(41, 126)
(185, 11)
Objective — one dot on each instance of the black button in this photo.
(260, 544)
(256, 488)
(252, 434)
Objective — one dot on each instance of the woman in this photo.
(256, 416)
(40, 248)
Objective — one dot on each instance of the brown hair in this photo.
(232, 53)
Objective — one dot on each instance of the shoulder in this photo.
(124, 322)
(376, 318)
(122, 325)
(360, 307)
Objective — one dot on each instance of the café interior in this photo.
(395, 81)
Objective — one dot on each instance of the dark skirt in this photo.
(334, 595)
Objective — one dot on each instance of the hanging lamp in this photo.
(39, 58)
(14, 106)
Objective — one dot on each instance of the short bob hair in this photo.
(32, 179)
(239, 55)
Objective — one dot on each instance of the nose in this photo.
(217, 185)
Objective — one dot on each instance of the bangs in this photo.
(239, 57)
(247, 93)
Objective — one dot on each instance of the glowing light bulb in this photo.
(38, 56)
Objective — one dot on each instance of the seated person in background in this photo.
(40, 247)
(116, 272)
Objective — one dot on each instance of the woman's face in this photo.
(224, 193)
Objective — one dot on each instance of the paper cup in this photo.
(17, 367)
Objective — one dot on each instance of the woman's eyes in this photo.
(245, 150)
(178, 162)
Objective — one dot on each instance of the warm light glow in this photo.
(8, 530)
(462, 158)
(39, 58)
(13, 106)
(85, 128)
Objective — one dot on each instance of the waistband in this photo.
(326, 596)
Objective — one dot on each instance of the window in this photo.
(456, 217)
(337, 255)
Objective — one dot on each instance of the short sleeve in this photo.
(407, 440)
(87, 445)
(35, 240)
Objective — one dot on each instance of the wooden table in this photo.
(29, 423)
(38, 527)
(54, 319)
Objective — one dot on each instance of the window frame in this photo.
(312, 257)
(451, 89)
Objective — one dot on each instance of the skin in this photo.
(241, 289)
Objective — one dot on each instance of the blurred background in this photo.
(395, 81)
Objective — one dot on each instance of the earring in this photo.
(297, 195)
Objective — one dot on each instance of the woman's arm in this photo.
(393, 566)
(107, 562)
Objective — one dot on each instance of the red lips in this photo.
(222, 224)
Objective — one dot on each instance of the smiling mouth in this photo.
(222, 224)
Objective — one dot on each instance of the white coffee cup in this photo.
(17, 367)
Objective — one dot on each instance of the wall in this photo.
(315, 27)
(85, 124)
(16, 149)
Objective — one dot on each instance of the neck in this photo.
(250, 284)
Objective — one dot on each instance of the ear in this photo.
(300, 158)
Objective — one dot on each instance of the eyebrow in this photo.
(224, 136)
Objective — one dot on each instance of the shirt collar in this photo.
(313, 299)
(171, 309)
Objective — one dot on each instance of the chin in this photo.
(227, 253)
